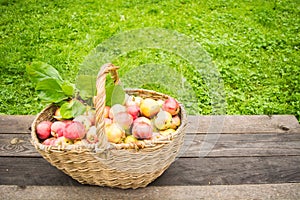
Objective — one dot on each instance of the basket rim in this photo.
(153, 143)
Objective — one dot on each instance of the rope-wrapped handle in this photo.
(100, 99)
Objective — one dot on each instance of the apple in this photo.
(167, 132)
(162, 120)
(171, 105)
(107, 121)
(116, 109)
(132, 100)
(142, 119)
(85, 120)
(114, 133)
(58, 127)
(75, 130)
(106, 111)
(91, 115)
(133, 110)
(43, 129)
(57, 114)
(62, 141)
(49, 141)
(175, 122)
(149, 107)
(130, 139)
(123, 119)
(160, 102)
(142, 130)
(91, 135)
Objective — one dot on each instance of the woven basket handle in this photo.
(100, 99)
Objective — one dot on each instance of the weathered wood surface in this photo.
(183, 172)
(15, 123)
(227, 145)
(203, 124)
(227, 157)
(243, 124)
(230, 192)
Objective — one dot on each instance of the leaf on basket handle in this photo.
(115, 94)
(86, 85)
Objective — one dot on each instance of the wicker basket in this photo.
(108, 164)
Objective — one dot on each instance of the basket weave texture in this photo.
(108, 164)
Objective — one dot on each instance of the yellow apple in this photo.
(149, 107)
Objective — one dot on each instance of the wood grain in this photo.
(246, 157)
(243, 124)
(226, 145)
(183, 172)
(196, 124)
(15, 123)
(249, 191)
(241, 145)
(232, 171)
(17, 145)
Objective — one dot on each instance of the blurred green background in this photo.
(254, 44)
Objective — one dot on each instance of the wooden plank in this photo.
(243, 124)
(15, 123)
(227, 145)
(265, 191)
(196, 124)
(232, 171)
(183, 172)
(17, 145)
(32, 171)
(241, 145)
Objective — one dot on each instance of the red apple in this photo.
(134, 111)
(175, 122)
(142, 119)
(43, 129)
(142, 130)
(74, 130)
(49, 141)
(58, 128)
(123, 119)
(171, 105)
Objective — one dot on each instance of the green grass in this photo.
(255, 45)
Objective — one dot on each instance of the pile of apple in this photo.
(137, 119)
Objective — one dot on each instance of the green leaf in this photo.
(86, 84)
(50, 91)
(118, 95)
(38, 71)
(66, 110)
(115, 94)
(68, 88)
(78, 108)
(109, 88)
(72, 109)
